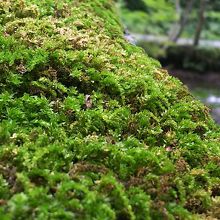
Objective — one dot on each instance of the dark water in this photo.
(205, 87)
(211, 98)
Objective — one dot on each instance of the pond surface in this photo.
(211, 98)
(205, 87)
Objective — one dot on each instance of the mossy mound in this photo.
(92, 128)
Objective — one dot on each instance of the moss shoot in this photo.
(92, 128)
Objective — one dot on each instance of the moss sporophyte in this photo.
(91, 127)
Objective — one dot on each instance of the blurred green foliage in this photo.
(157, 17)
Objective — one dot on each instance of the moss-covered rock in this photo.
(92, 128)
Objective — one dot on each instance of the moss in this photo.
(91, 127)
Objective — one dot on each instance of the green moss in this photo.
(91, 127)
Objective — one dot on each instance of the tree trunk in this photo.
(180, 26)
(201, 22)
(178, 7)
(174, 28)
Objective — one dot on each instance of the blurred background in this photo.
(185, 36)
